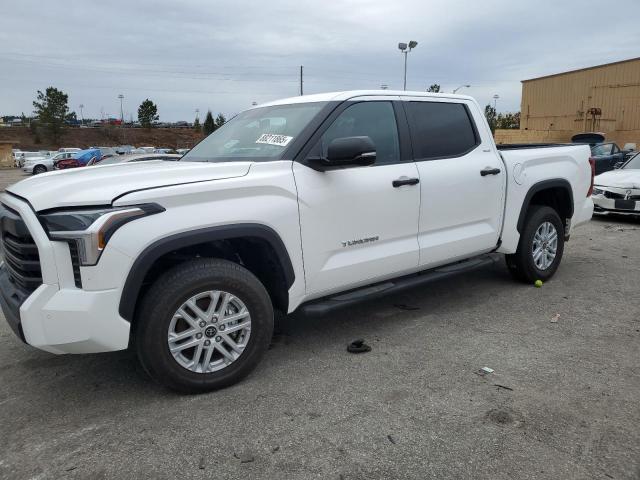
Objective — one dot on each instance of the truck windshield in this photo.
(259, 134)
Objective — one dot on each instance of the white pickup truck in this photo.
(309, 203)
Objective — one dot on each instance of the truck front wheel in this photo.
(540, 248)
(203, 325)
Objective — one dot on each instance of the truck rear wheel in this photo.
(540, 248)
(203, 325)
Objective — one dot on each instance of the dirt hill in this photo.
(25, 140)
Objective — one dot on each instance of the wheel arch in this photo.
(555, 193)
(143, 264)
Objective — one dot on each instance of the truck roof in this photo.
(346, 95)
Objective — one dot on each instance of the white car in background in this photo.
(69, 150)
(30, 157)
(43, 164)
(618, 191)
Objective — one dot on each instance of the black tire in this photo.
(521, 264)
(38, 169)
(169, 292)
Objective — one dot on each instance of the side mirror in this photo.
(350, 151)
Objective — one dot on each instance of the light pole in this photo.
(81, 116)
(121, 97)
(495, 102)
(404, 48)
(461, 86)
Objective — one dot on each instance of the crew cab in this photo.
(310, 203)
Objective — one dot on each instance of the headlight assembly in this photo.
(91, 228)
(597, 191)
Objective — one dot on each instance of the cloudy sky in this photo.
(223, 55)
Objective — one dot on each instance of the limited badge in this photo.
(273, 139)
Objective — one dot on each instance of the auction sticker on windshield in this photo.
(273, 139)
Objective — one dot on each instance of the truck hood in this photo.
(101, 185)
(619, 179)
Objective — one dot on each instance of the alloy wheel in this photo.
(209, 331)
(544, 245)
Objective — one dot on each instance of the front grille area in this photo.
(622, 196)
(19, 251)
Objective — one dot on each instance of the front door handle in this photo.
(489, 171)
(405, 181)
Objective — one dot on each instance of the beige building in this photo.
(604, 98)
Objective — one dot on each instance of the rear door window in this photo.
(441, 130)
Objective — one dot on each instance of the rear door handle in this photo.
(405, 181)
(489, 171)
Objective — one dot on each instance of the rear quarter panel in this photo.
(529, 166)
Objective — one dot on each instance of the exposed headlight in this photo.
(91, 228)
(597, 191)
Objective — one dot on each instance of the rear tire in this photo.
(540, 247)
(169, 312)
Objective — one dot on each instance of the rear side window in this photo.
(440, 130)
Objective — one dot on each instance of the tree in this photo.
(52, 109)
(508, 120)
(435, 88)
(196, 125)
(147, 113)
(490, 115)
(220, 120)
(209, 126)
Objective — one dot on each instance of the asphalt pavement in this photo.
(562, 400)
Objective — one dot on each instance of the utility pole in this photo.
(301, 91)
(81, 116)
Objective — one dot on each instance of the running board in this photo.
(326, 305)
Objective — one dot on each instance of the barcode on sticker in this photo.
(273, 139)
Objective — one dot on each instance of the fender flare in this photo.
(538, 187)
(146, 259)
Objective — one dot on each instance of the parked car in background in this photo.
(605, 154)
(135, 158)
(31, 157)
(78, 159)
(618, 191)
(72, 150)
(147, 149)
(17, 158)
(124, 149)
(107, 151)
(182, 151)
(37, 166)
(164, 150)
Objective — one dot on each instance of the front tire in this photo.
(38, 169)
(540, 247)
(203, 325)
